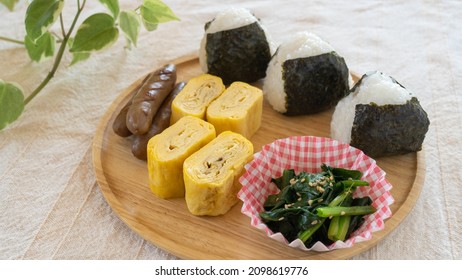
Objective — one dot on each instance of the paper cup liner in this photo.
(307, 153)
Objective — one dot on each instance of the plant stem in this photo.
(61, 23)
(59, 56)
(345, 210)
(305, 235)
(11, 40)
(338, 228)
(310, 231)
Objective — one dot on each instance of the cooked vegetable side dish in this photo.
(317, 206)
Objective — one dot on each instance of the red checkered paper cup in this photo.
(308, 153)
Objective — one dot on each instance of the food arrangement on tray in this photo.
(307, 177)
(195, 135)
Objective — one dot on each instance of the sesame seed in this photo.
(280, 219)
(320, 200)
(310, 202)
(314, 222)
(302, 180)
(342, 213)
(292, 181)
(330, 217)
(299, 199)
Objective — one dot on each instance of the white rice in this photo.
(229, 19)
(378, 88)
(300, 45)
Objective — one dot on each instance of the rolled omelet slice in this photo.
(196, 96)
(238, 109)
(211, 175)
(168, 150)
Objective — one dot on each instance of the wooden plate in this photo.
(169, 225)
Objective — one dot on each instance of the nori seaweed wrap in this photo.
(314, 84)
(380, 117)
(389, 129)
(235, 47)
(306, 76)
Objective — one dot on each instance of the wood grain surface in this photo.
(123, 180)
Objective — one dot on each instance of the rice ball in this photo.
(380, 117)
(305, 76)
(235, 47)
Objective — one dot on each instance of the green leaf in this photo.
(9, 3)
(149, 26)
(95, 33)
(43, 47)
(154, 12)
(113, 6)
(130, 25)
(40, 16)
(77, 56)
(11, 103)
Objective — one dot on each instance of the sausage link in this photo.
(120, 122)
(149, 98)
(160, 122)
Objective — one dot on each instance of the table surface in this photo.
(51, 204)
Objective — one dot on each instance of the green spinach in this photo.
(299, 209)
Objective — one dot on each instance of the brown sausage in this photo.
(149, 98)
(120, 122)
(160, 122)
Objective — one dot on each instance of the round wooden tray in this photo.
(123, 180)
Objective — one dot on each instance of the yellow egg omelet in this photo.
(168, 150)
(238, 109)
(211, 174)
(196, 96)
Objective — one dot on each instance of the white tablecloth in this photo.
(50, 203)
